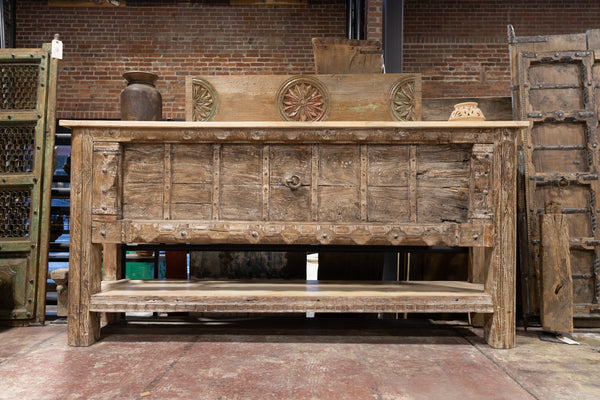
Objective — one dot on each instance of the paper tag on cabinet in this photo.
(57, 49)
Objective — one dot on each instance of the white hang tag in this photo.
(57, 49)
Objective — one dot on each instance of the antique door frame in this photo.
(27, 118)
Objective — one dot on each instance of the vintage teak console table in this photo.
(293, 183)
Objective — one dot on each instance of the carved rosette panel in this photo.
(302, 98)
(204, 99)
(402, 100)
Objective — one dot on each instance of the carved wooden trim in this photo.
(303, 98)
(314, 188)
(402, 100)
(266, 185)
(216, 200)
(351, 96)
(300, 233)
(204, 99)
(480, 201)
(106, 187)
(364, 165)
(436, 132)
(412, 182)
(167, 182)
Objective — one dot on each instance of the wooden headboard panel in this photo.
(339, 97)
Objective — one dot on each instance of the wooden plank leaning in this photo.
(557, 283)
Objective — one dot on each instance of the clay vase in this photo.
(140, 100)
(466, 112)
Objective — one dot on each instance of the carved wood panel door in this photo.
(560, 160)
(26, 144)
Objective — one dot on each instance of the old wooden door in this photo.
(554, 78)
(26, 143)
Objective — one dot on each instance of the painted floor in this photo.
(284, 357)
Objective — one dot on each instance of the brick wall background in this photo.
(460, 47)
(172, 39)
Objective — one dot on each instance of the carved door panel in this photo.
(290, 182)
(26, 144)
(343, 183)
(560, 164)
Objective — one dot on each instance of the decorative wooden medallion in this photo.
(204, 99)
(402, 100)
(302, 98)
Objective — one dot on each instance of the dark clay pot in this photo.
(140, 100)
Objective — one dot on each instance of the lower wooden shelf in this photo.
(290, 296)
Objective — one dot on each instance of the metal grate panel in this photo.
(17, 148)
(15, 209)
(19, 83)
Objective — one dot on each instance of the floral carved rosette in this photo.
(204, 99)
(302, 99)
(402, 100)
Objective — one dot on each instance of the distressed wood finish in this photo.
(557, 282)
(27, 127)
(347, 56)
(291, 296)
(499, 327)
(288, 183)
(556, 79)
(346, 97)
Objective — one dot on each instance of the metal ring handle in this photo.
(292, 181)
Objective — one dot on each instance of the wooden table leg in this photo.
(499, 327)
(479, 260)
(111, 271)
(84, 257)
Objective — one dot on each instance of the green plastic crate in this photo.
(139, 270)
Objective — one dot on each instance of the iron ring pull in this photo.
(292, 181)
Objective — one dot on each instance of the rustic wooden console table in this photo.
(293, 183)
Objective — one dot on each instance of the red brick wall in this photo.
(461, 47)
(172, 39)
(374, 29)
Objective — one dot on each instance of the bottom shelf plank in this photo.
(290, 296)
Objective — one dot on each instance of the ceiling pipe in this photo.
(355, 17)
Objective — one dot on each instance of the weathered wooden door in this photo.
(554, 79)
(26, 144)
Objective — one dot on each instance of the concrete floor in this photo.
(295, 358)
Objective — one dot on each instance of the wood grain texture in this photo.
(74, 334)
(352, 97)
(347, 56)
(343, 233)
(46, 199)
(85, 256)
(499, 328)
(107, 171)
(343, 183)
(291, 296)
(555, 80)
(557, 282)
